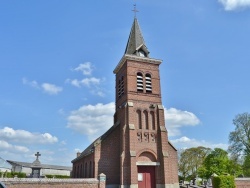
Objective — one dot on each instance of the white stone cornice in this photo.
(136, 58)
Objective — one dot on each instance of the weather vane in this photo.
(135, 10)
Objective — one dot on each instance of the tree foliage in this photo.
(219, 163)
(239, 139)
(223, 182)
(216, 162)
(190, 160)
(246, 166)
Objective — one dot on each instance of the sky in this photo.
(57, 58)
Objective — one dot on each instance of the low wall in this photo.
(242, 182)
(55, 183)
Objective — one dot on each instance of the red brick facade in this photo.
(138, 137)
(242, 182)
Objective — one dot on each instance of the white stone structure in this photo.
(45, 170)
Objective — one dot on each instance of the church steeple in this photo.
(136, 44)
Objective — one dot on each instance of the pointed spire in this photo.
(136, 44)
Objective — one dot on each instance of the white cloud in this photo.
(85, 68)
(234, 4)
(22, 136)
(5, 146)
(84, 82)
(92, 83)
(51, 89)
(46, 87)
(185, 142)
(175, 119)
(92, 120)
(33, 83)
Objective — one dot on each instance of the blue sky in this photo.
(57, 59)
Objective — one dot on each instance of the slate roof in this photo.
(136, 41)
(44, 166)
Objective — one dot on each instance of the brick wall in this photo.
(107, 157)
(55, 183)
(242, 182)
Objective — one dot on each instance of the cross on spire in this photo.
(135, 10)
(37, 155)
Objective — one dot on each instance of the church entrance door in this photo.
(146, 177)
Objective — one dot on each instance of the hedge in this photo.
(12, 174)
(223, 181)
(57, 176)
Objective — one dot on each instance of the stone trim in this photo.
(174, 185)
(132, 154)
(130, 104)
(131, 127)
(129, 186)
(165, 154)
(145, 163)
(160, 107)
(135, 58)
(163, 128)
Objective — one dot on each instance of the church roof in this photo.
(43, 166)
(136, 42)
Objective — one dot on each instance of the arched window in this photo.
(75, 172)
(90, 169)
(139, 123)
(86, 170)
(78, 171)
(81, 171)
(146, 119)
(148, 83)
(93, 170)
(152, 120)
(139, 82)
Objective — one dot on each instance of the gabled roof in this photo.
(136, 42)
(44, 166)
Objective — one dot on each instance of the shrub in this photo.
(223, 182)
(14, 174)
(57, 176)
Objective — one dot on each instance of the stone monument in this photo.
(36, 167)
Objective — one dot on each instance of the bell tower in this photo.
(147, 158)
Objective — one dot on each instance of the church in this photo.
(135, 152)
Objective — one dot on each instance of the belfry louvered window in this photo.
(139, 82)
(121, 87)
(148, 83)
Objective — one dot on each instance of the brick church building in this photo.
(135, 151)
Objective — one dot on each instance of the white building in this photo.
(45, 168)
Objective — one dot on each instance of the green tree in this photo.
(190, 160)
(219, 163)
(216, 162)
(239, 139)
(246, 166)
